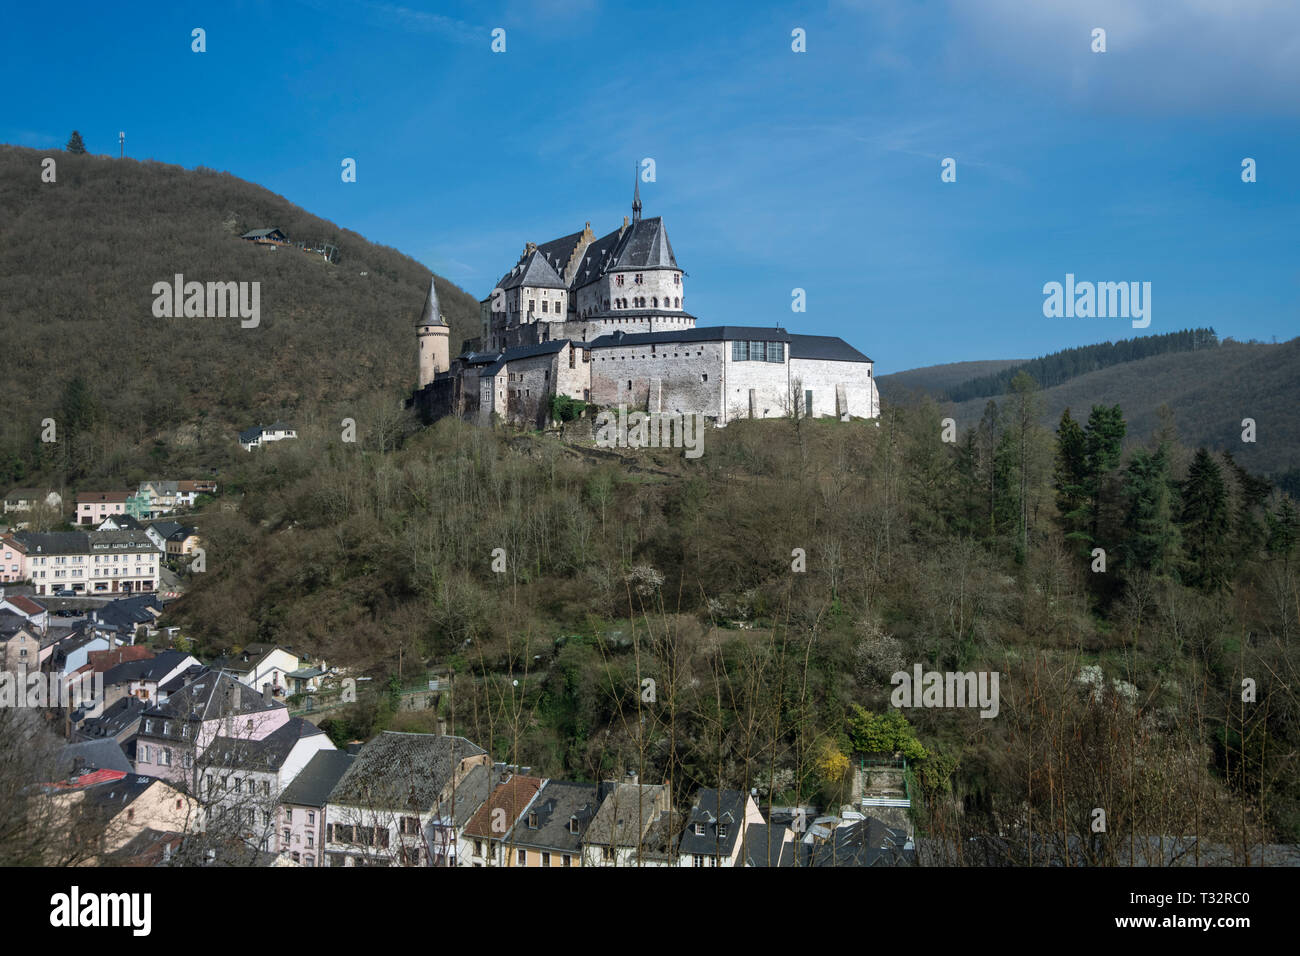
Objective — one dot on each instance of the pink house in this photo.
(13, 559)
(94, 506)
(175, 733)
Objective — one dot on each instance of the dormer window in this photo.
(722, 831)
(573, 824)
(532, 821)
(699, 829)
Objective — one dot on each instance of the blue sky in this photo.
(774, 169)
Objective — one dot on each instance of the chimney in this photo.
(631, 776)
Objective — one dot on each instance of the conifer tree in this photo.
(1071, 477)
(1205, 524)
(1152, 537)
(75, 144)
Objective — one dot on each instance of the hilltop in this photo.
(78, 261)
(1209, 392)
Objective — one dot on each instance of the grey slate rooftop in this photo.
(560, 808)
(397, 771)
(708, 333)
(826, 347)
(312, 786)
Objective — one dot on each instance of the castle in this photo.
(604, 321)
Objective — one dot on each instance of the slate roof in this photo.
(119, 541)
(209, 696)
(558, 802)
(260, 233)
(398, 771)
(767, 845)
(825, 347)
(92, 755)
(864, 843)
(522, 352)
(642, 246)
(167, 528)
(431, 314)
(118, 717)
(534, 271)
(561, 249)
(711, 808)
(153, 668)
(266, 754)
(624, 815)
(512, 796)
(55, 542)
(312, 786)
(470, 794)
(708, 333)
(122, 522)
(115, 795)
(11, 623)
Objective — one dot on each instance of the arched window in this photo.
(677, 302)
(656, 302)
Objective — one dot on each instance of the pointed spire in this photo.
(636, 193)
(431, 315)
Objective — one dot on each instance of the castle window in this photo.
(677, 302)
(656, 301)
(775, 352)
(677, 278)
(544, 304)
(739, 351)
(629, 383)
(640, 279)
(704, 377)
(618, 279)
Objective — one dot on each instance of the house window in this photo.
(478, 847)
(544, 304)
(722, 831)
(238, 784)
(546, 859)
(618, 280)
(775, 352)
(808, 403)
(311, 838)
(697, 859)
(288, 814)
(640, 279)
(573, 824)
(568, 860)
(266, 788)
(523, 857)
(699, 829)
(532, 821)
(608, 853)
(309, 860)
(311, 818)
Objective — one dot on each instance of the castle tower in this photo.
(434, 338)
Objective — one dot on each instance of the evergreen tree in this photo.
(1152, 537)
(1205, 524)
(75, 145)
(1104, 439)
(1071, 477)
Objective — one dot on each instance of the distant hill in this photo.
(937, 379)
(1210, 392)
(79, 258)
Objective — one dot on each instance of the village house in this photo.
(261, 666)
(175, 732)
(396, 805)
(302, 814)
(262, 434)
(37, 614)
(13, 559)
(242, 780)
(122, 522)
(19, 648)
(93, 507)
(485, 840)
(91, 562)
(617, 833)
(26, 499)
(551, 830)
(113, 807)
(716, 828)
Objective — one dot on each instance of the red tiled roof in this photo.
(511, 796)
(90, 779)
(101, 661)
(26, 604)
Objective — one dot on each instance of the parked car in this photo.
(67, 612)
(66, 592)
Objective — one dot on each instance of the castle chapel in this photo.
(604, 320)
